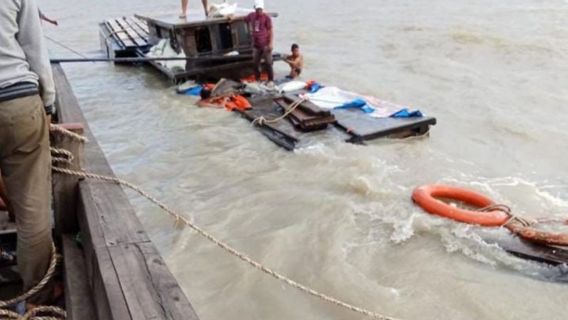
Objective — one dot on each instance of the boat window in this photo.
(203, 40)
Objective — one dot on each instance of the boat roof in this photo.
(194, 19)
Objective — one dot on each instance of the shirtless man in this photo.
(295, 61)
(185, 4)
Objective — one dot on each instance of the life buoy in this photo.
(425, 197)
(532, 234)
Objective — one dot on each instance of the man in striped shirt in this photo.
(27, 95)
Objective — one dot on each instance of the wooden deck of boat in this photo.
(115, 271)
(124, 37)
(354, 126)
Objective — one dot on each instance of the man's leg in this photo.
(184, 5)
(26, 165)
(267, 55)
(205, 7)
(256, 57)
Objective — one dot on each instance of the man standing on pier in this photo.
(260, 25)
(27, 95)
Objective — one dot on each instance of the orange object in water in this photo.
(238, 103)
(532, 234)
(426, 196)
(252, 78)
(235, 102)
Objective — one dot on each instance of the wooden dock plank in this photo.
(137, 29)
(78, 301)
(128, 278)
(141, 24)
(130, 33)
(120, 33)
(363, 127)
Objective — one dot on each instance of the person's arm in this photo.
(249, 21)
(47, 19)
(30, 38)
(270, 33)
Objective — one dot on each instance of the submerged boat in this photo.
(196, 47)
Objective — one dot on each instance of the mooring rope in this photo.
(262, 120)
(68, 133)
(35, 313)
(66, 47)
(526, 222)
(257, 265)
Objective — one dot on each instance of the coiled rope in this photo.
(182, 220)
(262, 120)
(35, 313)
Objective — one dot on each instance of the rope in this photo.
(66, 47)
(32, 314)
(262, 120)
(525, 222)
(68, 133)
(181, 219)
(67, 156)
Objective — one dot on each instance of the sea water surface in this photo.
(336, 216)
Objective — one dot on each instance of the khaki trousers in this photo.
(259, 54)
(25, 163)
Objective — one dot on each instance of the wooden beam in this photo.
(78, 302)
(65, 187)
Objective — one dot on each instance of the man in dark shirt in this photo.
(260, 26)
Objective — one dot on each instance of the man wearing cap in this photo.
(27, 95)
(260, 25)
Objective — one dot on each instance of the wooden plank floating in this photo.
(356, 127)
(125, 273)
(365, 128)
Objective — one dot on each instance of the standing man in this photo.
(260, 25)
(27, 95)
(185, 4)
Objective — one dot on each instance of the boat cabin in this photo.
(215, 47)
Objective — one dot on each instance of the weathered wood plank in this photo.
(107, 294)
(65, 187)
(78, 301)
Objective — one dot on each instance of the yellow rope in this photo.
(68, 133)
(181, 219)
(262, 120)
(513, 217)
(32, 314)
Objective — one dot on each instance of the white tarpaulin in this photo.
(332, 97)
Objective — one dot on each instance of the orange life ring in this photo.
(534, 235)
(425, 197)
